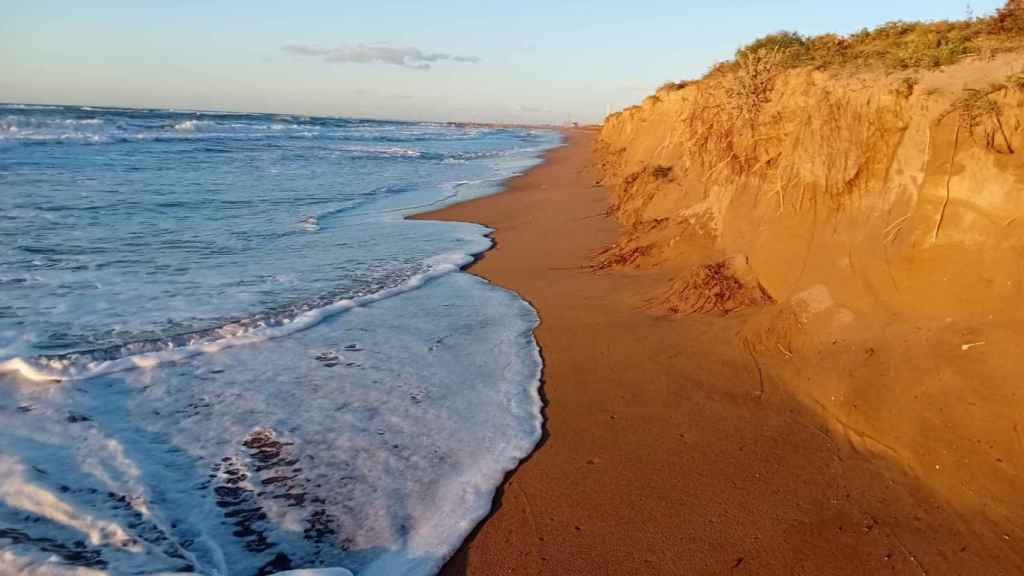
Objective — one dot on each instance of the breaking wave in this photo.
(147, 354)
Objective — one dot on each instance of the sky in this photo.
(533, 61)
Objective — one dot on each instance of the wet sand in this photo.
(668, 449)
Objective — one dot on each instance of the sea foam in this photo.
(223, 350)
(378, 455)
(82, 366)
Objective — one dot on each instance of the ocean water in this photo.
(224, 350)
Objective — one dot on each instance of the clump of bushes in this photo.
(1010, 18)
(789, 49)
(904, 45)
(895, 45)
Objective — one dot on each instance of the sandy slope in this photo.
(672, 447)
(879, 218)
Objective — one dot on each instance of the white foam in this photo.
(186, 126)
(398, 448)
(316, 572)
(310, 223)
(57, 370)
(379, 151)
(29, 107)
(300, 572)
(37, 129)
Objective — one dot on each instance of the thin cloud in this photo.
(407, 57)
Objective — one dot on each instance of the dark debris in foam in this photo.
(268, 469)
(194, 408)
(75, 418)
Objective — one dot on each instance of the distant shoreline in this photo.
(186, 110)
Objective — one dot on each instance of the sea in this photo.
(225, 350)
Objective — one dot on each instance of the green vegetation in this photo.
(896, 45)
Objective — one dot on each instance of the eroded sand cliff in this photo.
(868, 226)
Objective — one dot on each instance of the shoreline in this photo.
(660, 452)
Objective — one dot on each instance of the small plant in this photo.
(672, 86)
(754, 78)
(974, 106)
(721, 68)
(789, 49)
(905, 87)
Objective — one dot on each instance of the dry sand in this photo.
(669, 448)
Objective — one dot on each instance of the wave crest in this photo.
(147, 354)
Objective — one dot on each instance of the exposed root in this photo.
(1006, 139)
(949, 178)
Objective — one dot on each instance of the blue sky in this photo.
(525, 61)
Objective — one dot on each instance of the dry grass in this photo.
(896, 45)
(730, 130)
(893, 46)
(978, 111)
(669, 87)
(754, 77)
(737, 139)
(975, 106)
